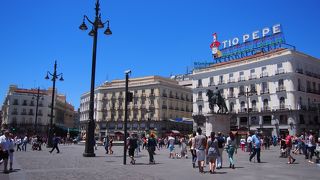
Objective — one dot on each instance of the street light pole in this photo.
(53, 79)
(89, 145)
(248, 110)
(37, 105)
(126, 118)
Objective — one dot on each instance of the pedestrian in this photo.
(4, 150)
(171, 141)
(212, 151)
(55, 142)
(24, 143)
(256, 143)
(311, 145)
(200, 145)
(231, 148)
(11, 150)
(249, 143)
(110, 145)
(288, 142)
(18, 143)
(106, 144)
(183, 146)
(242, 144)
(151, 145)
(221, 142)
(132, 145)
(192, 149)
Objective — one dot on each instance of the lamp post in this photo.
(37, 106)
(248, 109)
(96, 24)
(126, 117)
(54, 76)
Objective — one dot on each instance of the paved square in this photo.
(70, 164)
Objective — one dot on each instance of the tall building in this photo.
(19, 110)
(274, 92)
(159, 104)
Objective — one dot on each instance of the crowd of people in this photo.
(204, 150)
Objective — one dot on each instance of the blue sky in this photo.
(149, 37)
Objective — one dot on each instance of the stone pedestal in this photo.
(217, 123)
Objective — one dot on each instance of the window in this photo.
(199, 82)
(241, 90)
(230, 75)
(252, 71)
(242, 106)
(15, 101)
(241, 73)
(200, 95)
(282, 103)
(254, 105)
(211, 81)
(264, 69)
(279, 65)
(283, 120)
(152, 91)
(280, 83)
(231, 107)
(220, 79)
(265, 103)
(200, 109)
(299, 84)
(253, 88)
(301, 117)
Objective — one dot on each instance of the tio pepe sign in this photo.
(254, 36)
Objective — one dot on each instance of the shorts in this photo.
(131, 152)
(288, 151)
(171, 148)
(200, 155)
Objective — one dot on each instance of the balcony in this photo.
(279, 71)
(164, 95)
(252, 76)
(281, 88)
(220, 82)
(264, 91)
(171, 108)
(199, 86)
(265, 109)
(14, 113)
(231, 80)
(211, 84)
(243, 110)
(231, 95)
(264, 74)
(164, 107)
(242, 78)
(31, 104)
(301, 88)
(199, 99)
(241, 94)
(299, 70)
(282, 107)
(254, 109)
(30, 113)
(252, 92)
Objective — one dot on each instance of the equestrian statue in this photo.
(215, 98)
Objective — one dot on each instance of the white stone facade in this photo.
(155, 98)
(282, 88)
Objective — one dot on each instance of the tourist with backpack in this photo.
(212, 152)
(221, 142)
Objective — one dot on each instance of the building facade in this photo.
(158, 104)
(273, 92)
(19, 110)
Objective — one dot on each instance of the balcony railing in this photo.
(220, 82)
(164, 107)
(199, 99)
(279, 71)
(211, 84)
(231, 80)
(299, 70)
(281, 88)
(252, 92)
(241, 94)
(282, 107)
(264, 91)
(264, 74)
(252, 76)
(231, 95)
(199, 86)
(242, 78)
(242, 110)
(265, 109)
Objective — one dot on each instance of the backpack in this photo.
(212, 151)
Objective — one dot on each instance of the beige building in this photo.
(19, 111)
(158, 104)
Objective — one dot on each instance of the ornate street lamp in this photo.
(54, 76)
(96, 24)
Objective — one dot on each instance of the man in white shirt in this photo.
(5, 147)
(249, 143)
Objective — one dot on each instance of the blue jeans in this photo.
(256, 151)
(230, 152)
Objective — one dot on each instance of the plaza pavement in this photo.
(70, 164)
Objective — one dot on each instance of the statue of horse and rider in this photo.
(215, 98)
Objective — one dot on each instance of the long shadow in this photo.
(145, 164)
